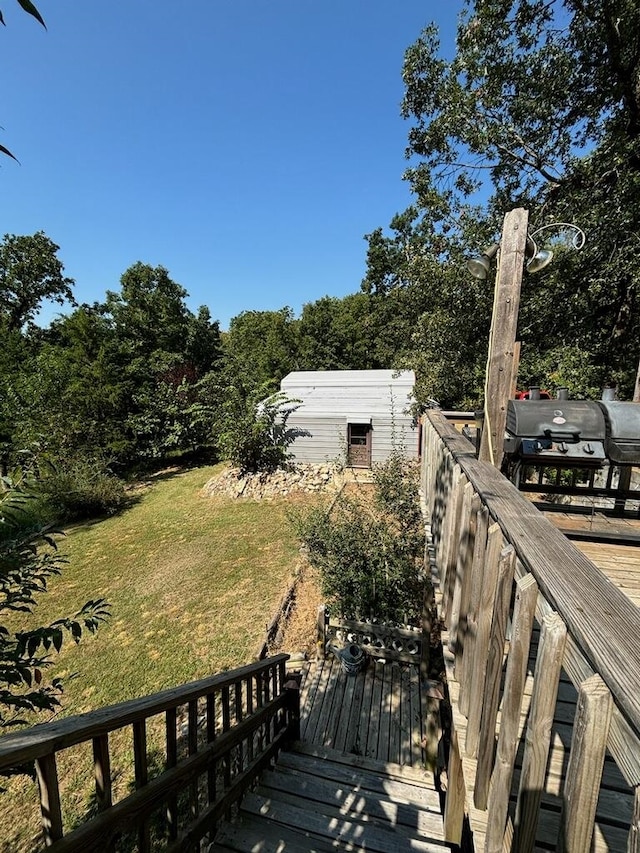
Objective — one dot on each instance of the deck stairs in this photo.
(319, 799)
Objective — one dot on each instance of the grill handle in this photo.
(568, 435)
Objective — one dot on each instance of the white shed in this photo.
(363, 414)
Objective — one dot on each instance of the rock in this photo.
(265, 486)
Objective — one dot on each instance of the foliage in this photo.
(370, 554)
(28, 559)
(262, 345)
(77, 488)
(30, 272)
(252, 430)
(491, 130)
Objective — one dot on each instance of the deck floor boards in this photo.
(375, 713)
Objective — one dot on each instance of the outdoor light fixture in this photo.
(479, 267)
(537, 259)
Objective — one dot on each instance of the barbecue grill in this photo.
(566, 433)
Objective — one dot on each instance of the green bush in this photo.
(78, 488)
(370, 553)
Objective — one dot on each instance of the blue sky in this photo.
(246, 146)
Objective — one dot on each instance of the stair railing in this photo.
(219, 734)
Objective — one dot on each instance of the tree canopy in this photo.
(492, 129)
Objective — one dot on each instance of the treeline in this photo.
(139, 378)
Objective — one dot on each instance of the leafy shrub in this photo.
(370, 553)
(253, 434)
(396, 495)
(78, 488)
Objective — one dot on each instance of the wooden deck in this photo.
(356, 780)
(619, 562)
(378, 713)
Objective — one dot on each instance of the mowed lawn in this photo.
(192, 581)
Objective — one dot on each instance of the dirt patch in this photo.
(299, 632)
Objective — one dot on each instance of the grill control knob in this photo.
(562, 447)
(588, 448)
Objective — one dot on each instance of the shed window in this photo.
(358, 433)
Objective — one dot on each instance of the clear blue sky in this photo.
(245, 145)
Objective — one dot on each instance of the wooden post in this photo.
(500, 360)
(454, 802)
(292, 693)
(464, 552)
(321, 643)
(47, 775)
(465, 675)
(501, 778)
(483, 637)
(494, 671)
(586, 761)
(553, 637)
(425, 644)
(633, 844)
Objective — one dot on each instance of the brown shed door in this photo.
(359, 445)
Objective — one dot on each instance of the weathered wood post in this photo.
(321, 641)
(586, 761)
(502, 339)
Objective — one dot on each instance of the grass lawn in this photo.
(192, 581)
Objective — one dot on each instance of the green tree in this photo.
(494, 124)
(262, 345)
(30, 272)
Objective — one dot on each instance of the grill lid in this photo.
(558, 420)
(623, 431)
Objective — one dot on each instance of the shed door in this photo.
(359, 445)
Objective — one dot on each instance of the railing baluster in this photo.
(483, 637)
(490, 702)
(47, 775)
(211, 736)
(553, 637)
(633, 844)
(586, 761)
(249, 683)
(239, 717)
(226, 725)
(193, 748)
(102, 772)
(172, 760)
(142, 776)
(501, 778)
(467, 644)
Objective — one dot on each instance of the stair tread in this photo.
(373, 838)
(353, 777)
(358, 807)
(402, 772)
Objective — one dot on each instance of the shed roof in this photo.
(348, 378)
(356, 395)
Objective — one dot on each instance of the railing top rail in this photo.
(29, 744)
(602, 620)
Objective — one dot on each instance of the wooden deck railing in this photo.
(219, 733)
(505, 572)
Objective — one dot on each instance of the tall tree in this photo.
(30, 272)
(492, 129)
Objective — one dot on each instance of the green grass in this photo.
(192, 582)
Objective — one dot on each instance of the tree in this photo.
(30, 272)
(262, 345)
(494, 124)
